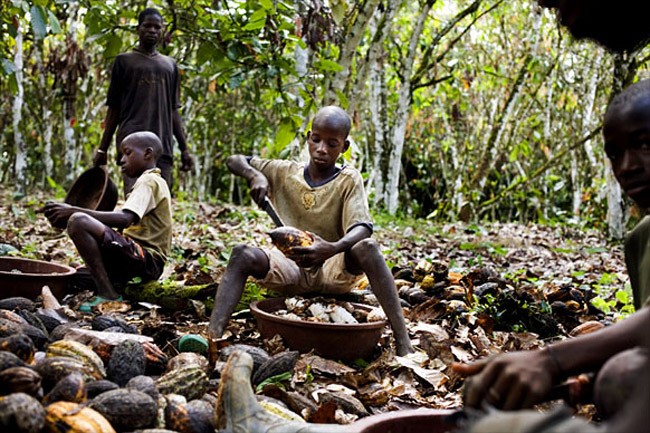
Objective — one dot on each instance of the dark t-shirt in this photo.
(145, 90)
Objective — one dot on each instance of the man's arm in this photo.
(110, 125)
(521, 379)
(179, 134)
(258, 183)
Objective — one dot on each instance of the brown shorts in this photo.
(286, 277)
(125, 259)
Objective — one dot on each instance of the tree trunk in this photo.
(402, 113)
(20, 164)
(348, 50)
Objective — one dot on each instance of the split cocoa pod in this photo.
(287, 238)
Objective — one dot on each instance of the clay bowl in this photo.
(26, 277)
(94, 190)
(408, 421)
(346, 342)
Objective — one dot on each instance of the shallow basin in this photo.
(408, 421)
(346, 342)
(26, 277)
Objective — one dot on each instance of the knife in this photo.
(268, 207)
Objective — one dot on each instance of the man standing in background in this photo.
(144, 95)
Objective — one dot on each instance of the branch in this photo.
(541, 169)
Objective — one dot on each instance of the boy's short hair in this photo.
(149, 11)
(336, 114)
(638, 90)
(146, 139)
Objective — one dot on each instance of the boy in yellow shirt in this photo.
(141, 249)
(327, 200)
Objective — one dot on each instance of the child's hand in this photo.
(313, 255)
(259, 186)
(58, 213)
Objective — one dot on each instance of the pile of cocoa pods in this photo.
(98, 376)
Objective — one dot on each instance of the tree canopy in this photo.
(478, 109)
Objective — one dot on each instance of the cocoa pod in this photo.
(190, 382)
(11, 323)
(17, 303)
(80, 352)
(21, 413)
(127, 361)
(104, 321)
(586, 328)
(277, 364)
(9, 359)
(96, 387)
(20, 345)
(126, 409)
(53, 369)
(20, 379)
(286, 238)
(69, 417)
(188, 358)
(189, 418)
(259, 355)
(144, 384)
(70, 388)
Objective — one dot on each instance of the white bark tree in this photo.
(20, 164)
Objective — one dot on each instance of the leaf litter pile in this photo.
(468, 291)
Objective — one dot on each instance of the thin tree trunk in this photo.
(402, 114)
(348, 50)
(20, 164)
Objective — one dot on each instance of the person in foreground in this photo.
(144, 95)
(619, 26)
(145, 220)
(326, 200)
(521, 379)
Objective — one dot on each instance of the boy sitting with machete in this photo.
(326, 200)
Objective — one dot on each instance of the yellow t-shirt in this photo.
(150, 200)
(329, 209)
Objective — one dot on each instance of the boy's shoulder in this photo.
(154, 180)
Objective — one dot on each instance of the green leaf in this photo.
(113, 46)
(206, 52)
(622, 297)
(54, 23)
(257, 20)
(267, 4)
(338, 10)
(286, 133)
(328, 65)
(277, 379)
(38, 21)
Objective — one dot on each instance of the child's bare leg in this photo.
(244, 261)
(365, 256)
(86, 232)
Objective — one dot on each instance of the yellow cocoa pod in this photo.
(68, 417)
(286, 238)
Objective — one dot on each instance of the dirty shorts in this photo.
(124, 259)
(286, 277)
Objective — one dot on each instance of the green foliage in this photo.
(275, 380)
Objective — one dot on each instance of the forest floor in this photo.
(506, 287)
